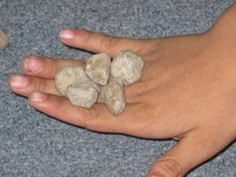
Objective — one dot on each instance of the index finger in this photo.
(102, 43)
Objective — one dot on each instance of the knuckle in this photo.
(54, 67)
(93, 112)
(109, 43)
(60, 106)
(136, 90)
(141, 88)
(90, 115)
(87, 35)
(50, 67)
(168, 168)
(42, 85)
(155, 43)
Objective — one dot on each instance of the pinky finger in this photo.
(59, 108)
(97, 118)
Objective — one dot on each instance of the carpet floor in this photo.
(35, 145)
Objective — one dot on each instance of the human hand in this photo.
(187, 92)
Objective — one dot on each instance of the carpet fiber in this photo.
(35, 145)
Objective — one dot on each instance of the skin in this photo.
(187, 92)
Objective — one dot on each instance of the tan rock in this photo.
(69, 75)
(98, 68)
(113, 96)
(4, 40)
(83, 94)
(127, 66)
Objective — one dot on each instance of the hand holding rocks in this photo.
(81, 84)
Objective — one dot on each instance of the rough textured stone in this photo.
(81, 84)
(98, 68)
(113, 96)
(83, 94)
(69, 75)
(4, 40)
(127, 66)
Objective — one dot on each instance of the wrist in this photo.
(225, 27)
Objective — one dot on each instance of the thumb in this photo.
(185, 155)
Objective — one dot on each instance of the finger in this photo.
(188, 153)
(122, 123)
(97, 118)
(25, 85)
(101, 43)
(45, 67)
(58, 107)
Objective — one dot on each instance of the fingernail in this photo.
(38, 97)
(66, 34)
(32, 65)
(19, 82)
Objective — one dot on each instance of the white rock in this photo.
(69, 75)
(98, 68)
(113, 96)
(4, 40)
(83, 94)
(127, 66)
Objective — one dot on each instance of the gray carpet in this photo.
(34, 145)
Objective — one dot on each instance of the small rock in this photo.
(98, 68)
(127, 66)
(113, 96)
(81, 84)
(4, 40)
(69, 75)
(83, 94)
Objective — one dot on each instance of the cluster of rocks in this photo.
(102, 76)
